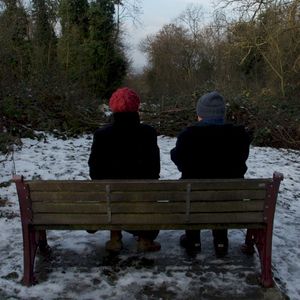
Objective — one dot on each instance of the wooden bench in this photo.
(148, 204)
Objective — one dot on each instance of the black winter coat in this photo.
(212, 151)
(125, 149)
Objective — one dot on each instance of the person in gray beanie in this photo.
(211, 106)
(211, 149)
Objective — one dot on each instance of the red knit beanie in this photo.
(124, 100)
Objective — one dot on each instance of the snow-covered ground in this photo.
(80, 269)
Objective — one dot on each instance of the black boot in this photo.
(191, 242)
(220, 242)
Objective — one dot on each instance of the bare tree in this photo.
(251, 8)
(193, 19)
(127, 9)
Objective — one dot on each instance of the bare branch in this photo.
(250, 9)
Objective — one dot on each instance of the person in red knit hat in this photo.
(124, 100)
(126, 149)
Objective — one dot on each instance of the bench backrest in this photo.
(151, 204)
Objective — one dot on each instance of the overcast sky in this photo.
(155, 14)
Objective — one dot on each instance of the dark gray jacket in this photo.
(212, 151)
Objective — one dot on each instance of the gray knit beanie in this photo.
(211, 106)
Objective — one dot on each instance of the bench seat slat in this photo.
(77, 207)
(146, 207)
(147, 196)
(123, 219)
(194, 196)
(149, 226)
(70, 196)
(72, 219)
(249, 217)
(229, 206)
(149, 185)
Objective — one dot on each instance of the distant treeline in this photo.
(57, 59)
(254, 60)
(60, 59)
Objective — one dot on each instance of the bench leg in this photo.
(264, 246)
(30, 247)
(263, 242)
(33, 240)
